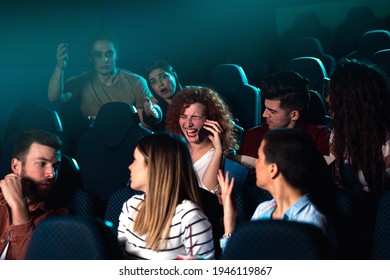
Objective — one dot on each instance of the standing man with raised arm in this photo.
(103, 84)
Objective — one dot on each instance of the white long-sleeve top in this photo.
(190, 231)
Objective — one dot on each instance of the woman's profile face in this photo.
(163, 83)
(138, 172)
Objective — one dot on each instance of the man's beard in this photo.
(35, 189)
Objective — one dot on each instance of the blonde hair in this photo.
(172, 179)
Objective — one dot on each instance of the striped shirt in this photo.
(190, 229)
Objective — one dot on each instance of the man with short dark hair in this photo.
(25, 191)
(286, 102)
(292, 170)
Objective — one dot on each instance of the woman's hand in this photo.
(12, 188)
(151, 108)
(216, 131)
(228, 202)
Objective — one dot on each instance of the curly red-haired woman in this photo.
(201, 115)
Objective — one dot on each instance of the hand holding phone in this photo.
(203, 133)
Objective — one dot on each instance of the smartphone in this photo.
(203, 133)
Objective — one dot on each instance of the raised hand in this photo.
(13, 192)
(228, 202)
(151, 108)
(62, 55)
(216, 131)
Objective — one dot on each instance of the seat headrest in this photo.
(316, 111)
(40, 117)
(113, 122)
(226, 78)
(309, 67)
(306, 46)
(373, 41)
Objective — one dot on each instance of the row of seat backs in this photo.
(246, 102)
(382, 60)
(245, 54)
(308, 47)
(306, 24)
(368, 41)
(89, 238)
(374, 47)
(277, 240)
(74, 238)
(371, 42)
(345, 37)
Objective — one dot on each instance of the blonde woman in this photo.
(166, 221)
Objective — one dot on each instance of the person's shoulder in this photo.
(315, 214)
(306, 204)
(266, 204)
(130, 75)
(316, 128)
(317, 132)
(138, 197)
(263, 210)
(135, 80)
(135, 199)
(257, 130)
(187, 209)
(187, 204)
(189, 213)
